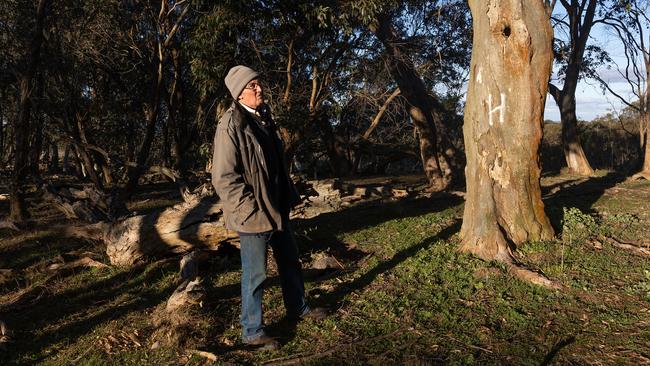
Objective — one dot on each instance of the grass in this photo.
(405, 294)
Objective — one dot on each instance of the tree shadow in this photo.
(45, 321)
(581, 195)
(320, 233)
(556, 349)
(335, 298)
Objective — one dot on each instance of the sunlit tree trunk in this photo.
(510, 70)
(645, 136)
(574, 154)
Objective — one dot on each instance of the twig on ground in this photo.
(6, 224)
(468, 345)
(210, 356)
(83, 262)
(642, 252)
(641, 244)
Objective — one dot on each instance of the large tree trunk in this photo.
(37, 132)
(21, 127)
(439, 156)
(510, 69)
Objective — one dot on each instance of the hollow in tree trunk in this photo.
(510, 69)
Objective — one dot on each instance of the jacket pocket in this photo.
(247, 214)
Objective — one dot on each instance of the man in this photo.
(250, 176)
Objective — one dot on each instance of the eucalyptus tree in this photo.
(440, 157)
(631, 24)
(509, 74)
(578, 59)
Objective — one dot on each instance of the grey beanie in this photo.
(238, 77)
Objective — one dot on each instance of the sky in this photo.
(590, 100)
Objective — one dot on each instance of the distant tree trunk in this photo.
(2, 132)
(37, 130)
(132, 136)
(66, 158)
(53, 163)
(182, 133)
(576, 159)
(335, 147)
(644, 128)
(645, 144)
(21, 127)
(152, 108)
(510, 70)
(79, 134)
(437, 153)
(151, 116)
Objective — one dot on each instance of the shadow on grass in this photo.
(322, 231)
(335, 298)
(70, 314)
(582, 196)
(548, 359)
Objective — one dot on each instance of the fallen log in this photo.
(178, 229)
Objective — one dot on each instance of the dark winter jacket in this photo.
(256, 193)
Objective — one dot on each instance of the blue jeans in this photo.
(253, 260)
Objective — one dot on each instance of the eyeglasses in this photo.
(254, 85)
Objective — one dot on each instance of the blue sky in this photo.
(590, 100)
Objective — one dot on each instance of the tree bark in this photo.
(79, 135)
(21, 126)
(645, 145)
(2, 131)
(510, 70)
(179, 229)
(439, 156)
(37, 132)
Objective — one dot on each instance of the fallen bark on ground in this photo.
(634, 249)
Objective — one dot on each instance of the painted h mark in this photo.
(500, 108)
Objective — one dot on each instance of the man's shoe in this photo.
(316, 314)
(263, 343)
